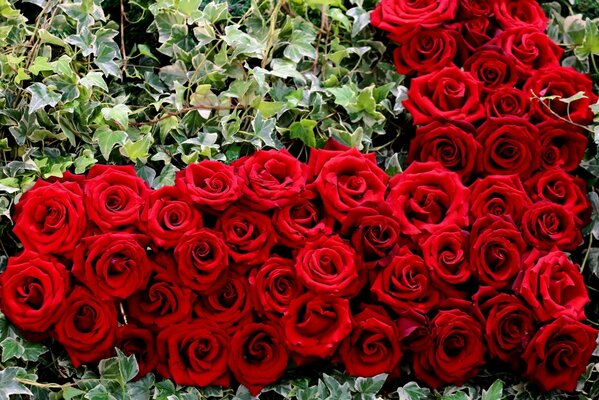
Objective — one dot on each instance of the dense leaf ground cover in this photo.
(164, 83)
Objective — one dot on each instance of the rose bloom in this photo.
(427, 50)
(515, 13)
(446, 95)
(557, 186)
(272, 178)
(509, 326)
(212, 185)
(496, 250)
(492, 66)
(87, 327)
(113, 265)
(507, 102)
(445, 252)
(33, 289)
(170, 216)
(426, 196)
(547, 225)
(532, 49)
(563, 82)
(552, 285)
(373, 346)
(559, 353)
(453, 145)
(258, 355)
(115, 197)
(406, 283)
(400, 17)
(562, 145)
(328, 265)
(457, 350)
(194, 353)
(50, 218)
(498, 195)
(510, 146)
(476, 32)
(345, 180)
(315, 325)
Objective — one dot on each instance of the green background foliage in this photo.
(190, 80)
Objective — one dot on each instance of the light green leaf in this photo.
(138, 150)
(9, 385)
(94, 78)
(41, 97)
(264, 129)
(40, 64)
(11, 348)
(107, 139)
(118, 114)
(304, 131)
(495, 392)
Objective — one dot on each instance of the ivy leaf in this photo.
(9, 385)
(304, 131)
(495, 392)
(137, 150)
(411, 391)
(107, 139)
(118, 114)
(94, 78)
(11, 348)
(369, 387)
(41, 97)
(264, 129)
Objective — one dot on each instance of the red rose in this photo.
(476, 8)
(445, 252)
(328, 265)
(563, 82)
(248, 234)
(87, 327)
(274, 286)
(496, 250)
(562, 145)
(507, 102)
(426, 196)
(170, 216)
(373, 345)
(272, 178)
(113, 265)
(517, 13)
(414, 330)
(449, 94)
(452, 145)
(532, 49)
(194, 354)
(258, 355)
(315, 325)
(202, 259)
(456, 352)
(406, 283)
(552, 285)
(509, 324)
(210, 184)
(115, 197)
(345, 180)
(559, 353)
(498, 195)
(300, 220)
(509, 146)
(229, 304)
(399, 17)
(50, 218)
(373, 233)
(493, 67)
(559, 187)
(140, 342)
(163, 303)
(546, 225)
(33, 289)
(427, 50)
(477, 32)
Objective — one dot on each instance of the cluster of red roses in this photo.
(475, 66)
(486, 93)
(237, 269)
